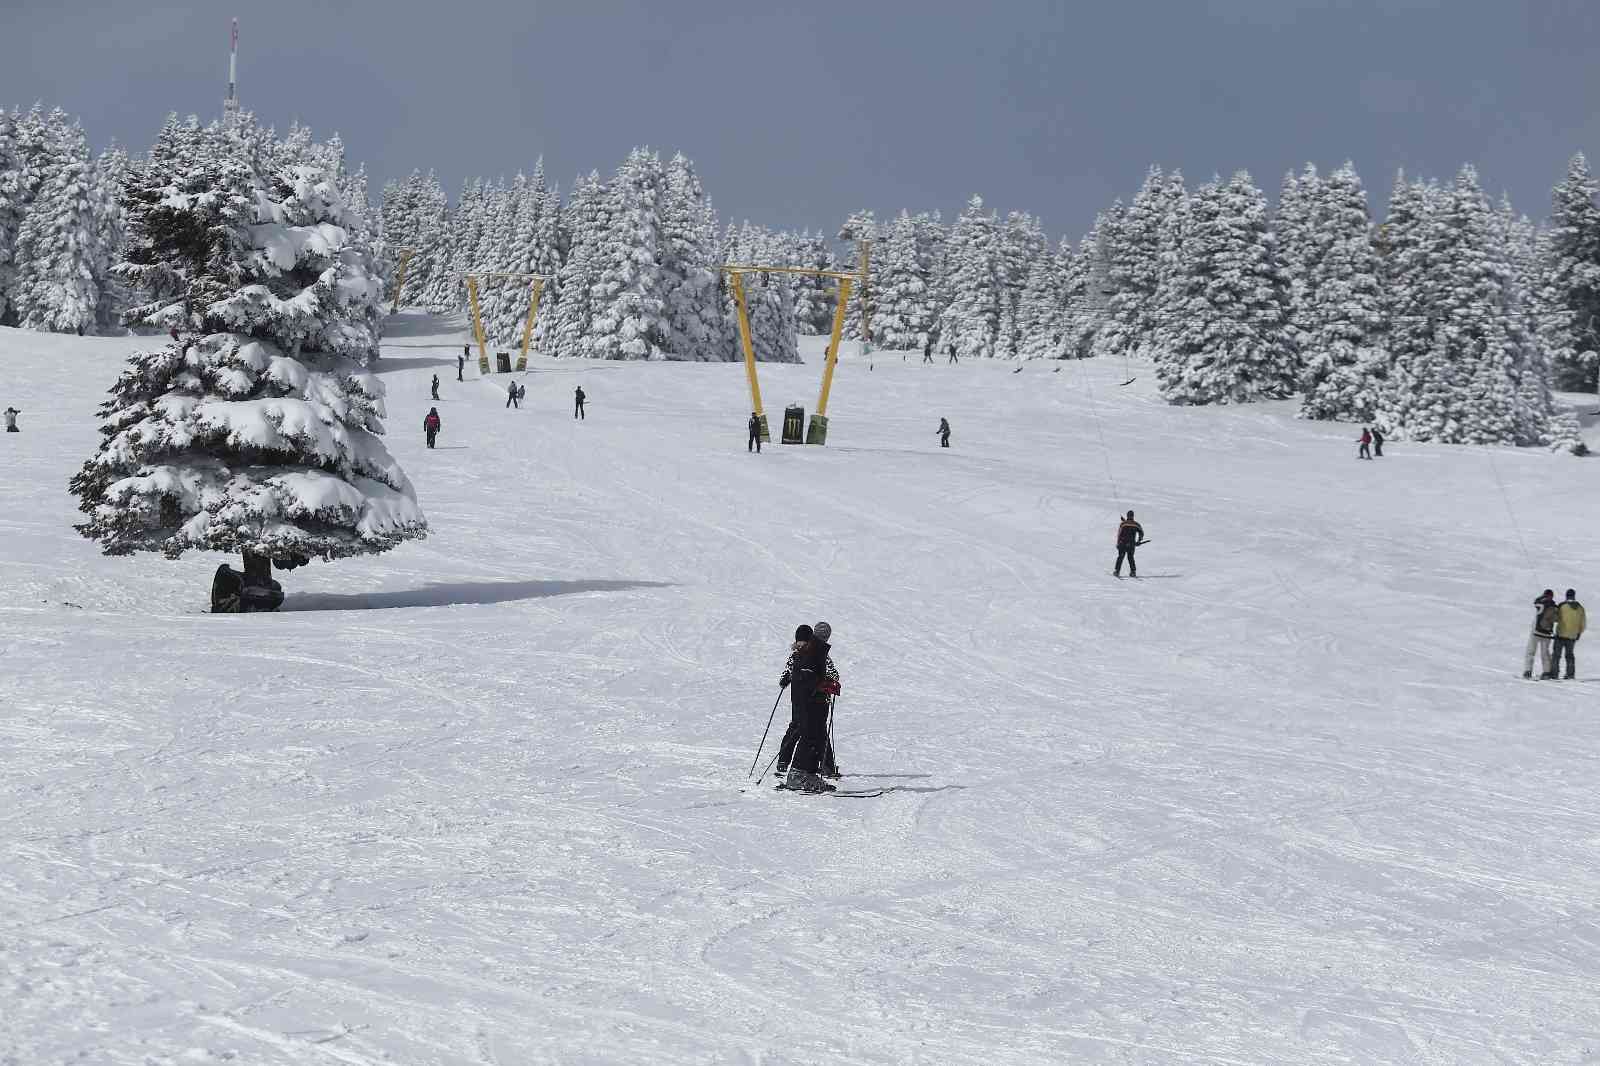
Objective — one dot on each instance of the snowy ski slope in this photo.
(1283, 800)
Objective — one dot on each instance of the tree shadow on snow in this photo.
(452, 594)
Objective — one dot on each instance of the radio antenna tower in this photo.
(230, 106)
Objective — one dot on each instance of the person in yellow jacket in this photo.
(1569, 627)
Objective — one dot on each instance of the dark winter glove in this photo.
(783, 682)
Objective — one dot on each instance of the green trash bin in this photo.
(818, 433)
(794, 424)
(502, 362)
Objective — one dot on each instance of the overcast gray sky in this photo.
(799, 113)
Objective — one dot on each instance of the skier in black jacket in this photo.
(828, 688)
(1130, 535)
(754, 444)
(436, 386)
(808, 668)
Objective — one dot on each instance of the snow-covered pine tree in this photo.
(587, 220)
(905, 312)
(1166, 306)
(815, 297)
(431, 243)
(1457, 340)
(768, 300)
(1539, 419)
(1231, 345)
(60, 255)
(1022, 244)
(629, 319)
(10, 209)
(1044, 306)
(690, 269)
(1340, 316)
(261, 435)
(1300, 242)
(1570, 324)
(862, 225)
(971, 321)
(110, 174)
(1408, 245)
(1133, 270)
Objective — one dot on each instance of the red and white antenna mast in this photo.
(230, 106)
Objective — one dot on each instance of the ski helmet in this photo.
(823, 630)
(802, 633)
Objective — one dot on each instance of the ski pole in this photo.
(764, 733)
(770, 763)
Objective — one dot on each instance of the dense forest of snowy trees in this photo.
(1452, 320)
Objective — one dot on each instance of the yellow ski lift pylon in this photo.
(818, 433)
(535, 290)
(400, 277)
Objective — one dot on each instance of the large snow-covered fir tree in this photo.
(1570, 322)
(906, 310)
(1339, 308)
(630, 312)
(814, 297)
(697, 326)
(1232, 344)
(587, 219)
(260, 432)
(1133, 268)
(1300, 242)
(60, 255)
(10, 208)
(971, 320)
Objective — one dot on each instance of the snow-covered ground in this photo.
(1283, 800)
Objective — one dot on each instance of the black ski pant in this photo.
(1365, 453)
(1377, 448)
(577, 412)
(755, 443)
(432, 433)
(1564, 647)
(459, 375)
(944, 440)
(1126, 553)
(436, 392)
(791, 737)
(808, 725)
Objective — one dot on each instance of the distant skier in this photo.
(431, 424)
(11, 414)
(513, 396)
(927, 351)
(1365, 451)
(436, 386)
(1130, 535)
(953, 359)
(803, 675)
(754, 443)
(461, 366)
(943, 433)
(1545, 617)
(578, 397)
(1570, 622)
(1377, 442)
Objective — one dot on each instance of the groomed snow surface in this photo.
(1283, 800)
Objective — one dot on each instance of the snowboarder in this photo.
(436, 386)
(577, 396)
(461, 366)
(1545, 616)
(1130, 535)
(11, 414)
(953, 358)
(927, 351)
(804, 676)
(431, 424)
(514, 396)
(1570, 622)
(943, 433)
(1365, 451)
(1377, 442)
(754, 444)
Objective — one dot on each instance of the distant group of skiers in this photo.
(927, 353)
(805, 756)
(1371, 439)
(1557, 624)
